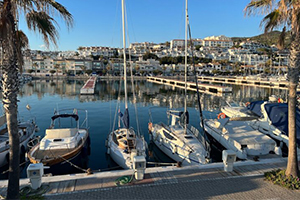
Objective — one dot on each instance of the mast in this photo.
(124, 53)
(185, 65)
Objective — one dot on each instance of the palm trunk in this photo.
(10, 90)
(292, 166)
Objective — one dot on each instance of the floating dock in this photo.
(247, 82)
(204, 88)
(89, 86)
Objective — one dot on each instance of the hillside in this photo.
(268, 38)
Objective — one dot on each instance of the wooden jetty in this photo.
(89, 86)
(247, 82)
(204, 88)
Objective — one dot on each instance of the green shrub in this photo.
(278, 177)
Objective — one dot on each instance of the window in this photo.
(167, 135)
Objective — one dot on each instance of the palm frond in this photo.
(44, 24)
(52, 7)
(271, 21)
(259, 7)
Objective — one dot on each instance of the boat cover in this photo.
(278, 114)
(65, 116)
(255, 107)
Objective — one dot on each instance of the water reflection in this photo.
(45, 95)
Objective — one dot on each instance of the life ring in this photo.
(247, 104)
(221, 115)
(150, 125)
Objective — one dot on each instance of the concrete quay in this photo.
(195, 182)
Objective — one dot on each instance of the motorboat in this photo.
(249, 109)
(237, 134)
(184, 145)
(274, 122)
(64, 146)
(124, 144)
(26, 131)
(233, 109)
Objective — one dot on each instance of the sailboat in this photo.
(123, 144)
(179, 140)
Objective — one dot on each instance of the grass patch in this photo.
(278, 177)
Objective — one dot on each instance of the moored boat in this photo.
(26, 134)
(237, 134)
(184, 145)
(63, 147)
(124, 144)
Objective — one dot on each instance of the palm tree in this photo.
(38, 17)
(284, 13)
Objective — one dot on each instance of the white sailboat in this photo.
(123, 144)
(179, 140)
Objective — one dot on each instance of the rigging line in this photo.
(181, 21)
(185, 68)
(118, 104)
(124, 53)
(132, 27)
(115, 22)
(196, 79)
(132, 83)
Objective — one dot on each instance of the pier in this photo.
(195, 182)
(246, 82)
(89, 86)
(205, 88)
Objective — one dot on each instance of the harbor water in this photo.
(44, 96)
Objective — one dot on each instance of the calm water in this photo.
(45, 96)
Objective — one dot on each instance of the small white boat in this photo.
(124, 144)
(186, 146)
(62, 145)
(232, 109)
(26, 134)
(238, 135)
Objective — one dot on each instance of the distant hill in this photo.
(268, 38)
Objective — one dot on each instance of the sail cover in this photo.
(278, 114)
(125, 118)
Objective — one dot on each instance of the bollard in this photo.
(228, 157)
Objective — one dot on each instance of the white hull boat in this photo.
(188, 148)
(26, 134)
(124, 145)
(241, 137)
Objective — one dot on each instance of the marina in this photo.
(65, 93)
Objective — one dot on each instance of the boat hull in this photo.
(67, 163)
(24, 139)
(175, 152)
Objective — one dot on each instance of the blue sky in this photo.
(98, 22)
